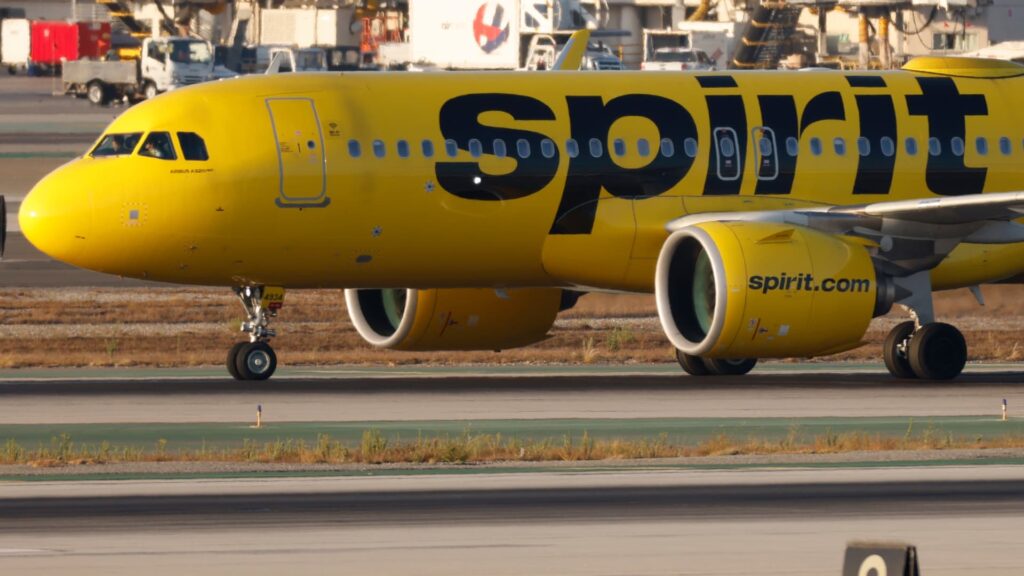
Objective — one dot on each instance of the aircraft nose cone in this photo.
(56, 217)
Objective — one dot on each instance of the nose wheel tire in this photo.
(729, 366)
(692, 365)
(895, 350)
(252, 361)
(937, 351)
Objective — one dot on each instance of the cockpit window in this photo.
(158, 145)
(192, 146)
(117, 145)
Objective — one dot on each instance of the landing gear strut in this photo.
(255, 359)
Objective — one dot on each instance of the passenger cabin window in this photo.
(816, 146)
(354, 149)
(839, 145)
(451, 148)
(547, 148)
(690, 147)
(911, 145)
(403, 149)
(158, 145)
(668, 149)
(192, 146)
(981, 145)
(792, 146)
(887, 146)
(956, 145)
(572, 148)
(863, 146)
(1005, 147)
(500, 150)
(619, 147)
(379, 149)
(934, 147)
(117, 145)
(596, 148)
(523, 148)
(728, 153)
(428, 148)
(643, 147)
(476, 148)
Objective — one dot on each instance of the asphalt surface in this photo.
(752, 523)
(813, 391)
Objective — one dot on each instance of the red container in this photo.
(53, 42)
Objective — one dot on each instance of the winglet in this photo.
(571, 56)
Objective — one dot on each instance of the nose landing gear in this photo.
(255, 359)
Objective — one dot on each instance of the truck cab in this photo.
(173, 62)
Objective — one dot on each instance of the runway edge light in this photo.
(880, 559)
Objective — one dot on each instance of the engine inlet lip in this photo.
(661, 295)
(364, 328)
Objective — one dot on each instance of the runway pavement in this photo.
(782, 390)
(964, 521)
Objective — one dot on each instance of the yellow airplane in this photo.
(771, 214)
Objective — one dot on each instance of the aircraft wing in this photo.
(949, 210)
(907, 236)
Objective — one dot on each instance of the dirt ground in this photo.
(191, 326)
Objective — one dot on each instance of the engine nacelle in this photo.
(453, 318)
(766, 290)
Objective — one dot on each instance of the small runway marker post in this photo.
(1004, 409)
(259, 415)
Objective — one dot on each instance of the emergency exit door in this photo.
(300, 152)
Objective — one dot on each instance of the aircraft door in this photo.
(302, 162)
(765, 153)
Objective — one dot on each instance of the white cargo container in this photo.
(466, 34)
(305, 28)
(15, 43)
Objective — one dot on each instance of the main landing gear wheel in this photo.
(255, 359)
(692, 365)
(937, 351)
(698, 366)
(895, 350)
(730, 366)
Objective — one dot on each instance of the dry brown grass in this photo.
(196, 326)
(466, 448)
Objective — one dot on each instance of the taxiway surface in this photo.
(310, 395)
(965, 521)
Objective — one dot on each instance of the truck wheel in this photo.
(97, 93)
(149, 91)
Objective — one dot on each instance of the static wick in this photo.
(259, 415)
(1004, 409)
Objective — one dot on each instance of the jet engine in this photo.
(454, 318)
(766, 290)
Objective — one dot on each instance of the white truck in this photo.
(164, 64)
(15, 43)
(716, 40)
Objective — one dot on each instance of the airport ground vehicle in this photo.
(770, 214)
(164, 64)
(678, 59)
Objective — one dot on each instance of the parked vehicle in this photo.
(54, 43)
(678, 59)
(16, 43)
(165, 64)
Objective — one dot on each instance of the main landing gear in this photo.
(698, 366)
(255, 359)
(933, 351)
